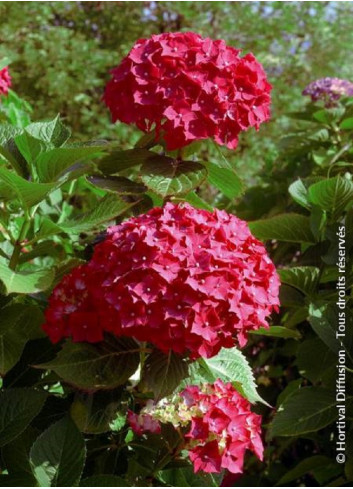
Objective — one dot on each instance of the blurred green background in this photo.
(61, 54)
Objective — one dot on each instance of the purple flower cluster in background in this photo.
(329, 89)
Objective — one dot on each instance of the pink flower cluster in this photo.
(184, 279)
(329, 90)
(189, 88)
(222, 428)
(142, 423)
(5, 81)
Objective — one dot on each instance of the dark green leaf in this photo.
(166, 176)
(18, 324)
(299, 193)
(88, 367)
(25, 282)
(118, 161)
(104, 480)
(17, 409)
(162, 373)
(186, 477)
(307, 410)
(315, 367)
(303, 467)
(278, 332)
(107, 209)
(305, 279)
(226, 180)
(29, 193)
(293, 228)
(58, 455)
(332, 194)
(51, 164)
(120, 185)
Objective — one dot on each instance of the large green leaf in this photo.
(332, 194)
(162, 373)
(58, 455)
(25, 282)
(226, 180)
(107, 209)
(305, 279)
(120, 185)
(52, 132)
(104, 480)
(90, 367)
(315, 367)
(308, 465)
(118, 161)
(29, 193)
(51, 164)
(17, 409)
(299, 193)
(18, 324)
(324, 319)
(168, 177)
(307, 410)
(29, 147)
(277, 332)
(293, 228)
(230, 365)
(16, 455)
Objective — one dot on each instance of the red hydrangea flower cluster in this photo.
(329, 90)
(189, 88)
(184, 279)
(222, 428)
(5, 81)
(141, 423)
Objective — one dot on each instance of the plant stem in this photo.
(18, 244)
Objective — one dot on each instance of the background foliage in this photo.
(292, 181)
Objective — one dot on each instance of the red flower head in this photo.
(222, 428)
(184, 279)
(5, 81)
(189, 88)
(142, 423)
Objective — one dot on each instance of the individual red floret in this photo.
(189, 88)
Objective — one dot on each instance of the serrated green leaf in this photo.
(305, 279)
(292, 228)
(332, 194)
(307, 410)
(89, 367)
(25, 282)
(119, 185)
(315, 367)
(168, 177)
(196, 201)
(229, 365)
(107, 209)
(277, 332)
(52, 132)
(162, 373)
(51, 164)
(29, 193)
(118, 161)
(17, 409)
(226, 180)
(16, 455)
(58, 455)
